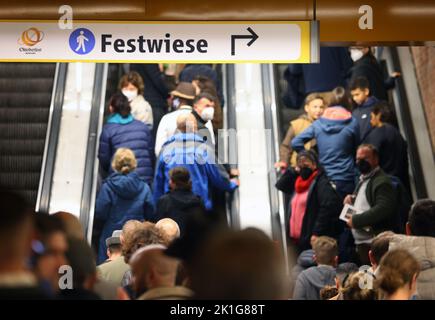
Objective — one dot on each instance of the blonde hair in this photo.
(353, 288)
(124, 161)
(313, 96)
(325, 248)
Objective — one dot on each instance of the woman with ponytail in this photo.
(123, 196)
(398, 275)
(123, 131)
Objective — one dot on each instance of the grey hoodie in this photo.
(423, 249)
(313, 279)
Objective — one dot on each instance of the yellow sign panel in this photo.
(151, 42)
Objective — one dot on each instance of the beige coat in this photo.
(286, 154)
(423, 249)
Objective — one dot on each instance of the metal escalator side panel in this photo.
(252, 149)
(411, 120)
(233, 200)
(88, 198)
(52, 136)
(271, 123)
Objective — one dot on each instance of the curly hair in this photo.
(139, 238)
(135, 79)
(352, 289)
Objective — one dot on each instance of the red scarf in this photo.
(302, 185)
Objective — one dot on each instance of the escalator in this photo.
(25, 98)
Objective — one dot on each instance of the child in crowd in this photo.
(312, 280)
(314, 107)
(360, 91)
(179, 202)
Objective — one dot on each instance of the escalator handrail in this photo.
(408, 128)
(89, 188)
(52, 137)
(233, 198)
(269, 103)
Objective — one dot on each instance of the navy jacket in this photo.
(331, 72)
(190, 151)
(369, 67)
(337, 141)
(393, 151)
(178, 205)
(121, 198)
(127, 133)
(362, 115)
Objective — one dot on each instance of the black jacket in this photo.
(393, 152)
(323, 208)
(369, 67)
(178, 205)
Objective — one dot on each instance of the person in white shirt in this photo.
(132, 86)
(182, 99)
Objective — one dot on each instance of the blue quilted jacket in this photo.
(122, 197)
(127, 133)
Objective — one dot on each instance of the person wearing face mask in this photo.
(203, 110)
(314, 206)
(374, 201)
(366, 65)
(182, 101)
(131, 86)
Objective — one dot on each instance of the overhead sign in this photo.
(193, 41)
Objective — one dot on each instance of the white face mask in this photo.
(129, 94)
(207, 114)
(356, 54)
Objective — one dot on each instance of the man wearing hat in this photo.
(114, 268)
(183, 97)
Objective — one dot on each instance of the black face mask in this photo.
(305, 173)
(364, 166)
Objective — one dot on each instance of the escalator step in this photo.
(19, 180)
(27, 70)
(32, 85)
(27, 99)
(28, 115)
(23, 130)
(27, 163)
(22, 147)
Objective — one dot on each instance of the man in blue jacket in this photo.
(187, 148)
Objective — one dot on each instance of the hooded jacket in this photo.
(192, 152)
(362, 115)
(127, 133)
(312, 280)
(178, 205)
(121, 198)
(337, 136)
(423, 249)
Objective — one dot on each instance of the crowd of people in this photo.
(160, 233)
